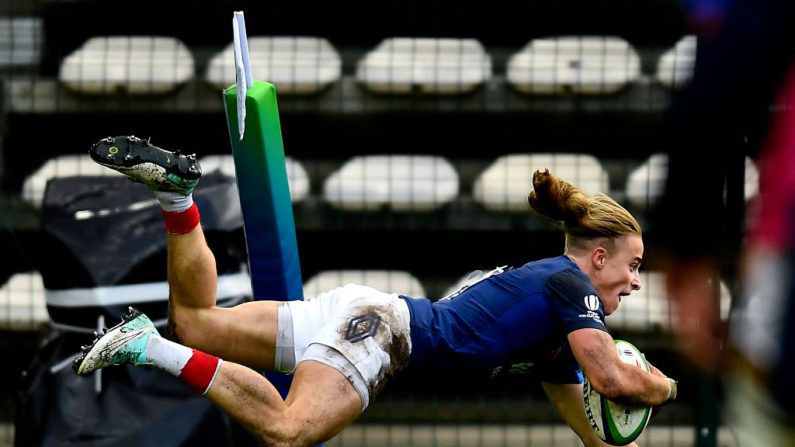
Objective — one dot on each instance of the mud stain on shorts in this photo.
(376, 321)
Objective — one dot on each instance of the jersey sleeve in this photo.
(575, 301)
(562, 369)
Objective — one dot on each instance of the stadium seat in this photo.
(21, 41)
(62, 166)
(675, 66)
(648, 310)
(589, 65)
(504, 185)
(135, 65)
(397, 182)
(390, 281)
(297, 177)
(22, 303)
(424, 65)
(294, 64)
(646, 182)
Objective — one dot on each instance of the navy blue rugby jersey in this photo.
(515, 320)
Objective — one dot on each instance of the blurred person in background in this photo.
(739, 102)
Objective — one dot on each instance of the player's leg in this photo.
(244, 334)
(320, 404)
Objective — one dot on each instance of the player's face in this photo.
(618, 275)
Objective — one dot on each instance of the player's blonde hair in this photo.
(584, 218)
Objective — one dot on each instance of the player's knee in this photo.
(184, 324)
(283, 435)
(275, 441)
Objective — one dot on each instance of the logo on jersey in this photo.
(521, 368)
(362, 327)
(592, 303)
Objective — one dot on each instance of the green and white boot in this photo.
(123, 344)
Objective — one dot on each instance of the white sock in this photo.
(173, 201)
(167, 355)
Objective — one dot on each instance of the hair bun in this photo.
(557, 199)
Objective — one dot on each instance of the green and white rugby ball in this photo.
(614, 423)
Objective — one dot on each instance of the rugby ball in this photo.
(614, 423)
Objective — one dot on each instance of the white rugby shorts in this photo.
(360, 331)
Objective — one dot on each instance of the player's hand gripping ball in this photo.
(614, 423)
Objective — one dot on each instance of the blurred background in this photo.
(411, 130)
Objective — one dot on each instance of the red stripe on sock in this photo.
(198, 373)
(181, 222)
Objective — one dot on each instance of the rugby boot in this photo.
(123, 344)
(159, 169)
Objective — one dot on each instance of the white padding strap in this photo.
(231, 285)
(284, 354)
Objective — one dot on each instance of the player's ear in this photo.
(598, 257)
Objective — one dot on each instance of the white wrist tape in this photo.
(672, 388)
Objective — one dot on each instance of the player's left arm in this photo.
(567, 399)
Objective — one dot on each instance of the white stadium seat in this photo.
(389, 281)
(61, 166)
(399, 182)
(675, 66)
(589, 65)
(22, 302)
(139, 65)
(504, 185)
(21, 41)
(297, 177)
(646, 182)
(425, 65)
(294, 64)
(648, 310)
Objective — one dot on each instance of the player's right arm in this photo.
(618, 381)
(582, 318)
